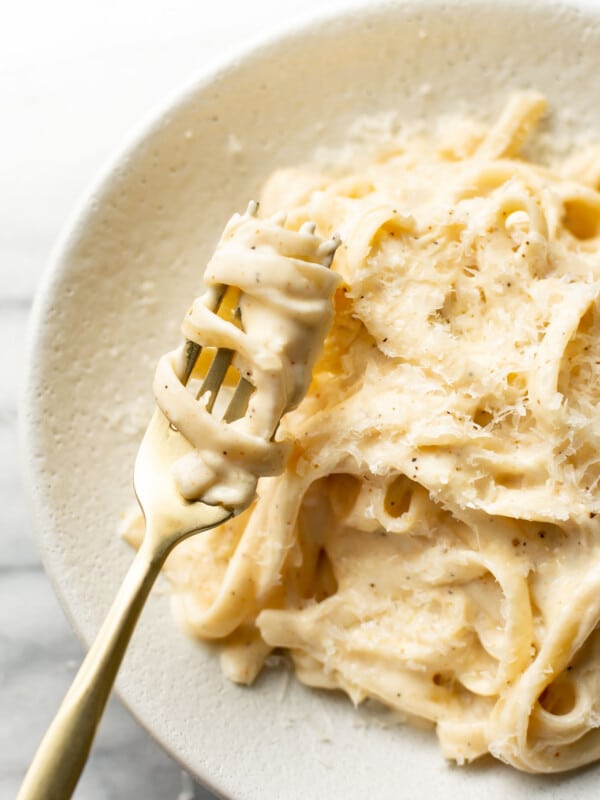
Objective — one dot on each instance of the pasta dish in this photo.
(433, 540)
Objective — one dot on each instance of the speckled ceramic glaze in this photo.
(111, 303)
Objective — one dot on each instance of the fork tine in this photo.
(192, 353)
(239, 402)
(192, 349)
(215, 375)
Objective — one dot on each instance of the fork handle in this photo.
(62, 753)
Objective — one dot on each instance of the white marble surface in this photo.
(74, 79)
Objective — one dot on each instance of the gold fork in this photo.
(62, 753)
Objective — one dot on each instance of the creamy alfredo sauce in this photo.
(434, 539)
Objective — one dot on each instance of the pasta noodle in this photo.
(433, 541)
(276, 328)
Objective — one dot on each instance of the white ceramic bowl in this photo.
(111, 303)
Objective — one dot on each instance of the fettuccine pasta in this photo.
(433, 541)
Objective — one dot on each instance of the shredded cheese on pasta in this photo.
(433, 541)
